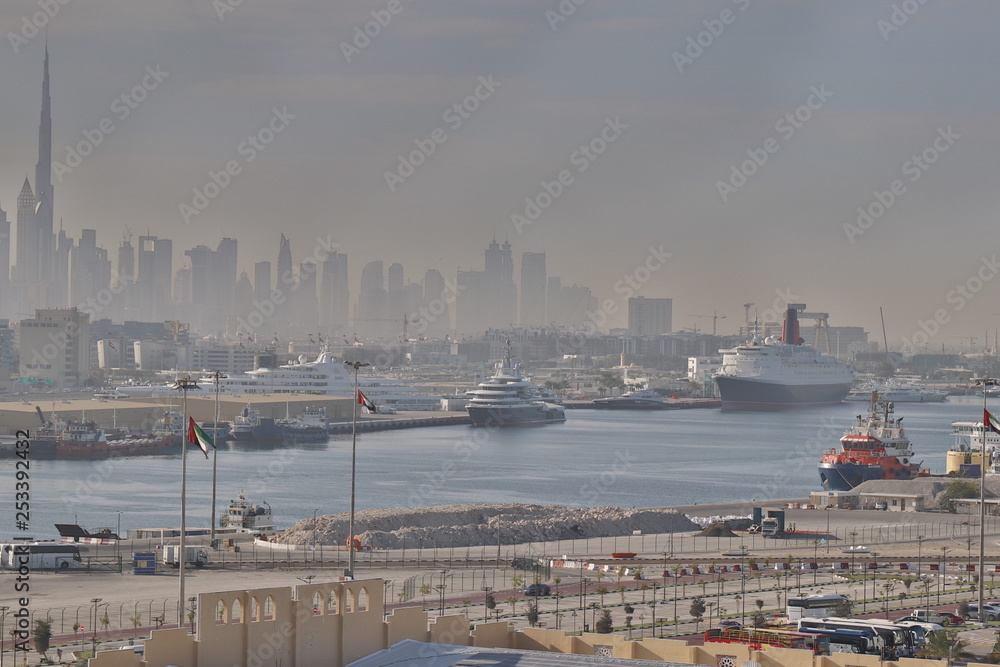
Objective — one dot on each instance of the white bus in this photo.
(40, 556)
(813, 606)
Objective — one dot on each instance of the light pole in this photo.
(315, 509)
(920, 543)
(217, 375)
(184, 384)
(987, 427)
(95, 601)
(118, 539)
(3, 617)
(827, 530)
(354, 458)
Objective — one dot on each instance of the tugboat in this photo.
(249, 426)
(508, 399)
(875, 447)
(247, 517)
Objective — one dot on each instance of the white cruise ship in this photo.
(325, 376)
(780, 373)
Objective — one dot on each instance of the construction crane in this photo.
(822, 324)
(715, 318)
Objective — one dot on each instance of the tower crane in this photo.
(715, 318)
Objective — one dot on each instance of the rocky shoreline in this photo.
(483, 524)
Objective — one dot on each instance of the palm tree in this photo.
(945, 644)
(602, 591)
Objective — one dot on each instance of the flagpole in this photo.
(987, 383)
(354, 457)
(215, 443)
(183, 384)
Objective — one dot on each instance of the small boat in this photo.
(247, 517)
(508, 399)
(310, 427)
(640, 399)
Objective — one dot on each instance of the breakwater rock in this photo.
(482, 524)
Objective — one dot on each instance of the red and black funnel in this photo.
(790, 328)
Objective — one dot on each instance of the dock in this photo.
(390, 422)
(679, 404)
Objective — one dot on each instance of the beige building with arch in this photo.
(336, 623)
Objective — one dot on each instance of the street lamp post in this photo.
(184, 384)
(217, 375)
(315, 510)
(118, 539)
(3, 617)
(987, 424)
(95, 601)
(356, 365)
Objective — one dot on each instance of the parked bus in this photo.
(760, 639)
(40, 556)
(813, 606)
(860, 640)
(895, 640)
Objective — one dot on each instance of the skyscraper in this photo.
(26, 270)
(649, 317)
(6, 306)
(154, 278)
(334, 295)
(533, 284)
(44, 192)
(371, 316)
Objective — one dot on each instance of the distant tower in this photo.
(371, 316)
(334, 295)
(44, 192)
(26, 269)
(533, 284)
(285, 279)
(6, 306)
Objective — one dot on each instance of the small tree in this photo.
(42, 635)
(697, 611)
(963, 609)
(491, 602)
(533, 613)
(621, 592)
(628, 609)
(758, 620)
(602, 591)
(759, 603)
(136, 621)
(425, 589)
(512, 601)
(604, 625)
(517, 581)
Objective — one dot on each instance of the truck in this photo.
(192, 556)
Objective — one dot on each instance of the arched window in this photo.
(317, 604)
(348, 601)
(221, 613)
(333, 604)
(269, 610)
(236, 613)
(363, 600)
(254, 610)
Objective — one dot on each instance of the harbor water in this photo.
(597, 457)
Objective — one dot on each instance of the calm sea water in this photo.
(596, 458)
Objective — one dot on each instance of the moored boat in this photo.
(640, 399)
(777, 373)
(875, 447)
(508, 399)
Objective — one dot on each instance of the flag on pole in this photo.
(363, 400)
(197, 436)
(990, 421)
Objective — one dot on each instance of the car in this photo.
(953, 619)
(928, 616)
(729, 623)
(881, 505)
(538, 589)
(992, 613)
(776, 618)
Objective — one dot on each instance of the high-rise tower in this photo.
(44, 192)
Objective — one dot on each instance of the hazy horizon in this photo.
(739, 136)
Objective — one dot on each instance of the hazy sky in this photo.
(838, 97)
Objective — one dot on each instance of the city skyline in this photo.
(747, 152)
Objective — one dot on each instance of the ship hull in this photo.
(846, 476)
(527, 415)
(750, 394)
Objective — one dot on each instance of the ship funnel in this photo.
(790, 328)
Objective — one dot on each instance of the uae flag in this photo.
(197, 436)
(363, 400)
(990, 421)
